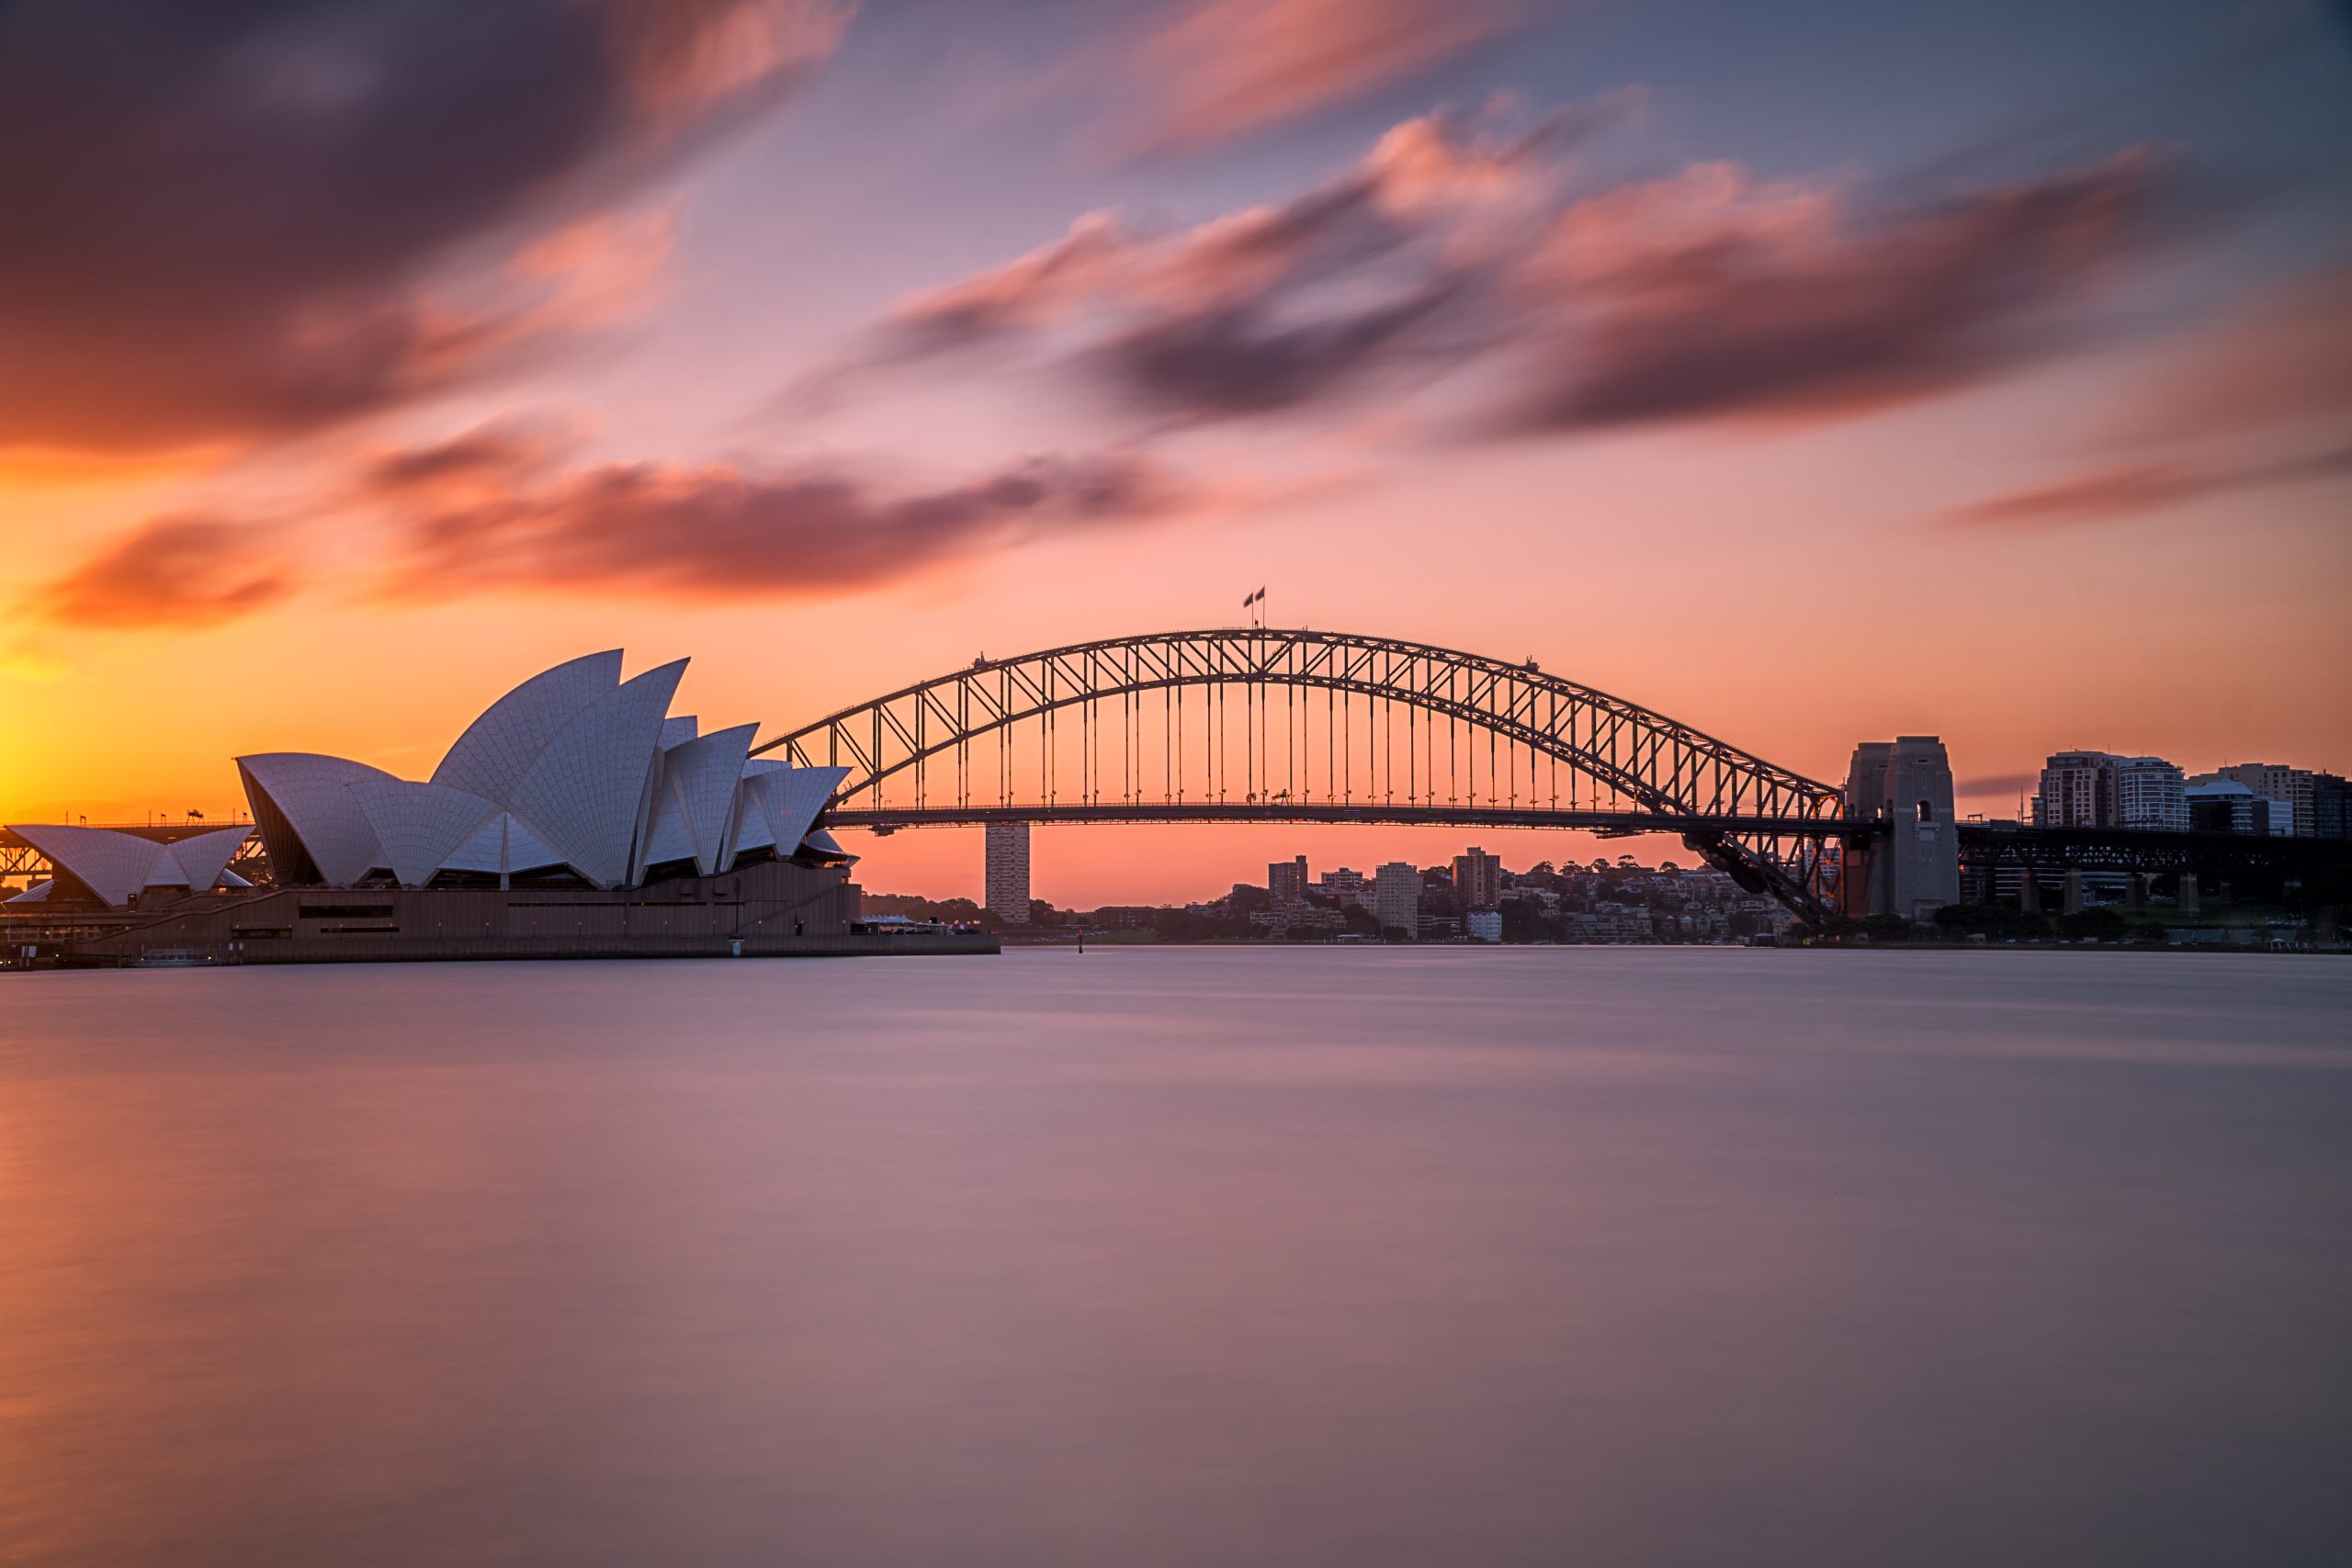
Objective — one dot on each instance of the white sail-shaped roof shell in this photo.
(498, 751)
(586, 792)
(37, 894)
(111, 865)
(751, 830)
(790, 798)
(204, 859)
(310, 793)
(697, 796)
(505, 844)
(419, 826)
(677, 730)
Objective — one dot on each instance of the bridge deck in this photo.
(890, 818)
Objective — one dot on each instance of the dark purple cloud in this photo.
(722, 533)
(1731, 309)
(1269, 307)
(239, 219)
(1706, 294)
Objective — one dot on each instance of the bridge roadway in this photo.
(1608, 824)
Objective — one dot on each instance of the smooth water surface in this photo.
(1186, 1257)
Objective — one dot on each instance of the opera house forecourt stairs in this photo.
(575, 818)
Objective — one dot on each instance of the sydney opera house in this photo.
(576, 817)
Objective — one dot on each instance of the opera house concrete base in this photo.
(773, 910)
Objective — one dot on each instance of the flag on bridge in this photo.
(1249, 599)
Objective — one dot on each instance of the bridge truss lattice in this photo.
(1273, 723)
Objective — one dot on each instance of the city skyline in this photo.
(2019, 425)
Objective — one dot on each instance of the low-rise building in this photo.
(2290, 787)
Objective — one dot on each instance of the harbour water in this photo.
(1182, 1257)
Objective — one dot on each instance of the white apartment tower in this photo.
(2151, 792)
(1396, 897)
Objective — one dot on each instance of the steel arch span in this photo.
(1265, 723)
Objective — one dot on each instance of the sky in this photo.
(1809, 373)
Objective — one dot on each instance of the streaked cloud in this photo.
(2278, 363)
(1710, 295)
(724, 532)
(172, 572)
(2258, 399)
(501, 509)
(1213, 69)
(2126, 491)
(1456, 249)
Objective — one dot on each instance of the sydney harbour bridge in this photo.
(1259, 723)
(1262, 724)
(1273, 725)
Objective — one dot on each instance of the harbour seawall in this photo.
(771, 910)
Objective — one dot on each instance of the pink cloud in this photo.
(2129, 490)
(1453, 246)
(1219, 69)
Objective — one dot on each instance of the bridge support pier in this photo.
(2072, 903)
(2187, 898)
(1912, 868)
(2135, 894)
(2028, 893)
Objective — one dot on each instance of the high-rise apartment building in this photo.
(1396, 897)
(1287, 879)
(1008, 872)
(1477, 879)
(2101, 789)
(2077, 791)
(2331, 807)
(2149, 793)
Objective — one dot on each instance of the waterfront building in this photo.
(1008, 872)
(1483, 925)
(2225, 805)
(575, 779)
(1477, 879)
(575, 817)
(1396, 896)
(2290, 787)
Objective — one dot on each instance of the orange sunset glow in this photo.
(1804, 380)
